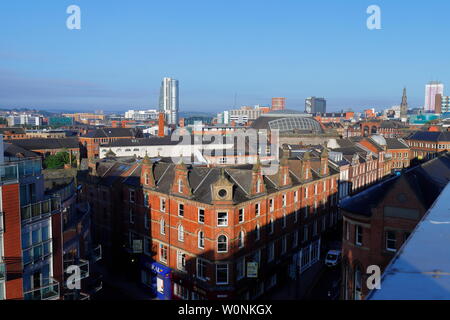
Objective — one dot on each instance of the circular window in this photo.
(222, 193)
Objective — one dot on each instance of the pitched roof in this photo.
(430, 136)
(200, 178)
(113, 132)
(14, 151)
(41, 143)
(12, 130)
(426, 181)
(395, 143)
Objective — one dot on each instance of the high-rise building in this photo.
(431, 90)
(315, 105)
(442, 104)
(404, 106)
(169, 100)
(278, 103)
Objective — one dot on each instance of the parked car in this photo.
(333, 258)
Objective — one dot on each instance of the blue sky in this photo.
(216, 49)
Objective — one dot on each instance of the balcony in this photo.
(74, 296)
(37, 252)
(38, 210)
(29, 167)
(82, 264)
(9, 173)
(2, 270)
(48, 291)
(96, 253)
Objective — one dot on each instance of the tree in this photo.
(57, 161)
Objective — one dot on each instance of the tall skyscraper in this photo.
(169, 100)
(315, 105)
(278, 103)
(431, 90)
(404, 106)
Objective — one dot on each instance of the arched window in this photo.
(258, 186)
(222, 243)
(241, 239)
(357, 284)
(180, 186)
(162, 226)
(201, 240)
(147, 180)
(180, 233)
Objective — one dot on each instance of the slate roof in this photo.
(12, 130)
(44, 143)
(14, 151)
(394, 143)
(427, 181)
(114, 132)
(200, 178)
(430, 136)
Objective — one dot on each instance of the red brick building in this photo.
(377, 221)
(200, 227)
(427, 144)
(93, 139)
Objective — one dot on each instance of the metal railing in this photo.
(37, 252)
(48, 291)
(2, 269)
(9, 173)
(81, 263)
(38, 210)
(96, 253)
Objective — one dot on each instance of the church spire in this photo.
(404, 105)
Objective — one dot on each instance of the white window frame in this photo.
(394, 240)
(181, 209)
(180, 231)
(180, 260)
(228, 273)
(162, 204)
(225, 223)
(241, 217)
(226, 243)
(201, 215)
(201, 239)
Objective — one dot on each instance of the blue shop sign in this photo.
(161, 282)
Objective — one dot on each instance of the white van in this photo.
(333, 258)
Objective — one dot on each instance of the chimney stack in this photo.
(161, 125)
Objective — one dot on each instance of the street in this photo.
(328, 285)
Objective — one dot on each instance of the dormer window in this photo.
(180, 186)
(258, 186)
(285, 179)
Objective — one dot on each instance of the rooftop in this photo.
(421, 268)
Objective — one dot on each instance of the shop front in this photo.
(160, 280)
